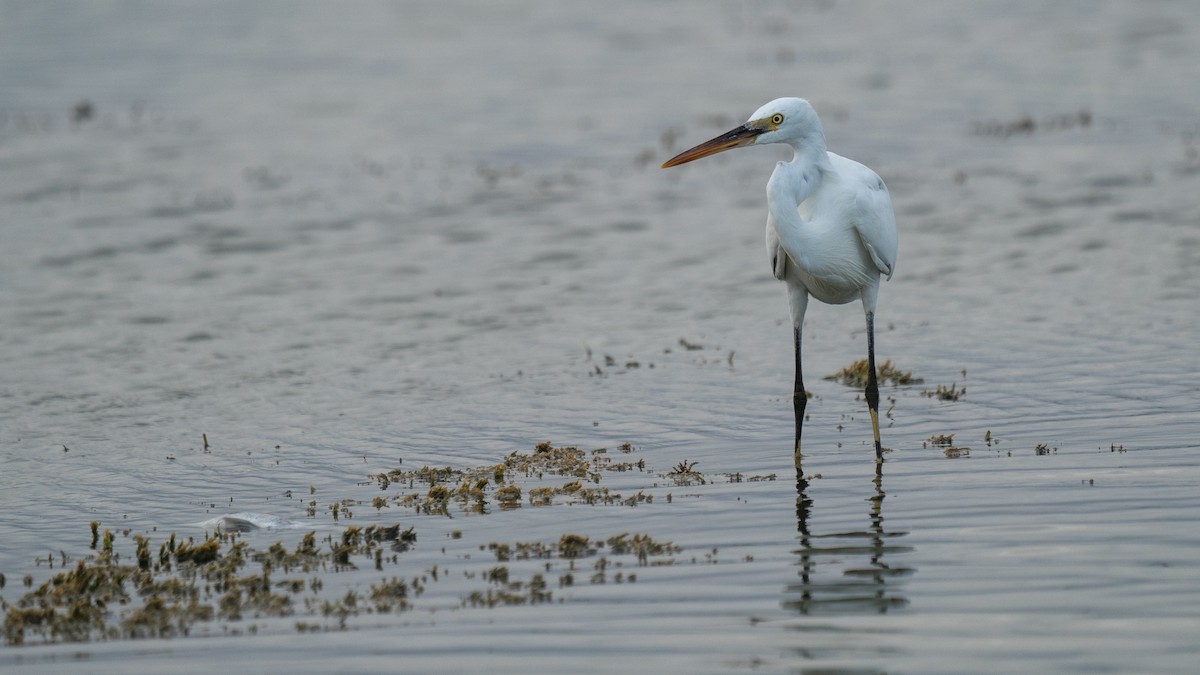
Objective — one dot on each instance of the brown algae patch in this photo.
(944, 393)
(574, 472)
(572, 546)
(945, 442)
(191, 582)
(855, 375)
(684, 473)
(131, 587)
(566, 559)
(549, 475)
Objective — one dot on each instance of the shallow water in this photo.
(333, 241)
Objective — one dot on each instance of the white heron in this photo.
(831, 232)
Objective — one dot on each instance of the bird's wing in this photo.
(775, 252)
(872, 216)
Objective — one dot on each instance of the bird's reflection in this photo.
(854, 572)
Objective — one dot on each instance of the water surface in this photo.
(338, 241)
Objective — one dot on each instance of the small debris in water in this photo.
(684, 473)
(1026, 124)
(1043, 449)
(946, 443)
(944, 393)
(82, 112)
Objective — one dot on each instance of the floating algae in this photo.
(204, 585)
(944, 393)
(191, 582)
(475, 488)
(684, 473)
(565, 557)
(855, 375)
(946, 443)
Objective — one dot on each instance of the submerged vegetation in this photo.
(191, 582)
(945, 442)
(944, 393)
(130, 587)
(685, 473)
(1043, 449)
(570, 474)
(855, 375)
(221, 579)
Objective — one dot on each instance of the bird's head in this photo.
(784, 120)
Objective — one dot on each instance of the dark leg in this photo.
(799, 398)
(873, 385)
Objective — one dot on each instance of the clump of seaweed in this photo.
(855, 375)
(946, 443)
(738, 477)
(642, 546)
(191, 582)
(944, 393)
(684, 473)
(563, 461)
(72, 606)
(506, 589)
(509, 496)
(575, 546)
(477, 487)
(389, 596)
(533, 592)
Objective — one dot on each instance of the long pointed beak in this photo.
(736, 138)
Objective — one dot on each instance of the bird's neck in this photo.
(790, 185)
(795, 181)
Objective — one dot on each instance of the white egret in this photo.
(831, 232)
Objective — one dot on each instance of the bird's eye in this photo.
(777, 119)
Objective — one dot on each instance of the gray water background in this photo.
(335, 237)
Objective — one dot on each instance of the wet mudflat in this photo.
(398, 301)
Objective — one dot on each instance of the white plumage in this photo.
(831, 232)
